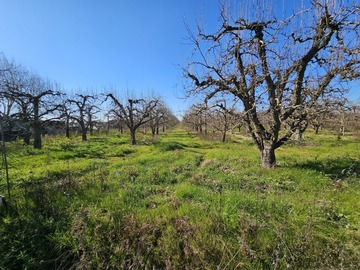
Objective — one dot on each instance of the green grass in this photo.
(180, 202)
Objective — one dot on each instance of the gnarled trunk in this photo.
(267, 152)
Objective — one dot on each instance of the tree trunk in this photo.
(83, 133)
(67, 129)
(67, 132)
(133, 138)
(37, 138)
(37, 124)
(298, 134)
(223, 139)
(268, 159)
(316, 129)
(26, 137)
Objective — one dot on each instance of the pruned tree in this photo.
(222, 117)
(115, 118)
(44, 104)
(170, 120)
(196, 118)
(82, 110)
(161, 116)
(65, 115)
(36, 102)
(134, 112)
(277, 68)
(15, 115)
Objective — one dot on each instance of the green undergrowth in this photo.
(177, 201)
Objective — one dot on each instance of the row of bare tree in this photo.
(342, 116)
(30, 105)
(282, 71)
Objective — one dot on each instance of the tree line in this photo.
(220, 119)
(273, 74)
(31, 106)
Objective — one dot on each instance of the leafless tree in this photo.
(35, 99)
(196, 118)
(222, 117)
(277, 67)
(161, 116)
(134, 112)
(65, 115)
(83, 107)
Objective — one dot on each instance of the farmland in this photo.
(178, 201)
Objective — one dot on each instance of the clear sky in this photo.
(133, 45)
(130, 45)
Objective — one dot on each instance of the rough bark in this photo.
(267, 153)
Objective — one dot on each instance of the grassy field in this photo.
(181, 202)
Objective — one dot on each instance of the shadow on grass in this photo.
(335, 167)
(170, 146)
(35, 216)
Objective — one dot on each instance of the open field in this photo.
(180, 202)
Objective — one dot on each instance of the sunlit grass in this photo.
(179, 201)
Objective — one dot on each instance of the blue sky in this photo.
(130, 45)
(93, 44)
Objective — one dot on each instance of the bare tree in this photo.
(196, 118)
(82, 110)
(36, 102)
(277, 67)
(161, 116)
(11, 78)
(43, 101)
(135, 113)
(222, 117)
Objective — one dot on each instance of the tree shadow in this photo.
(170, 146)
(334, 167)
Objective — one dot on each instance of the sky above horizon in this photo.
(134, 46)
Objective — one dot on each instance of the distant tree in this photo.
(161, 116)
(134, 112)
(323, 112)
(116, 118)
(222, 117)
(65, 115)
(156, 117)
(196, 118)
(342, 114)
(278, 68)
(170, 121)
(82, 110)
